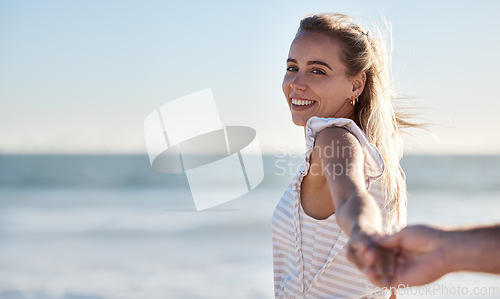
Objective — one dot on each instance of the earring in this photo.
(354, 101)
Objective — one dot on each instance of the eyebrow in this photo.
(311, 62)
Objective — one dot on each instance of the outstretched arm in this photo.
(426, 253)
(357, 212)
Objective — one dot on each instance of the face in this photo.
(316, 81)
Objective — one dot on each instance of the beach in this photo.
(101, 226)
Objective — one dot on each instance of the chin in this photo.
(300, 121)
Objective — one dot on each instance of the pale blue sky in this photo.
(81, 76)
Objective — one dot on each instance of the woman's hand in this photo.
(378, 263)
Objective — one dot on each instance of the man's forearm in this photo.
(474, 249)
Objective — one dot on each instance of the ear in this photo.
(358, 83)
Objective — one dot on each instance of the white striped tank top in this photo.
(310, 257)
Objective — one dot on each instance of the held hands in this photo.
(414, 256)
(377, 262)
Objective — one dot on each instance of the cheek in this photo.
(332, 91)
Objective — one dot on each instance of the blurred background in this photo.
(83, 215)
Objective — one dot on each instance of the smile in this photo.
(301, 102)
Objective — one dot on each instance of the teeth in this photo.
(301, 102)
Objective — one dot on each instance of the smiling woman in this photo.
(315, 87)
(337, 87)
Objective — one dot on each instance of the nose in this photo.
(298, 82)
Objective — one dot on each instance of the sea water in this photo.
(103, 226)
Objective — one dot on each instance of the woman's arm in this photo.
(357, 213)
(342, 162)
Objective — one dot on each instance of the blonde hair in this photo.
(374, 113)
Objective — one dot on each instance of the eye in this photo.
(318, 72)
(292, 69)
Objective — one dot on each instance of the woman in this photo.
(350, 186)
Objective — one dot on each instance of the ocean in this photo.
(108, 226)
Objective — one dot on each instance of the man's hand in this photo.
(419, 253)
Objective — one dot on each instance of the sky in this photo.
(81, 76)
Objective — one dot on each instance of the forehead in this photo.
(309, 45)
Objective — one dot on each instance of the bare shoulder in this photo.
(341, 157)
(339, 143)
